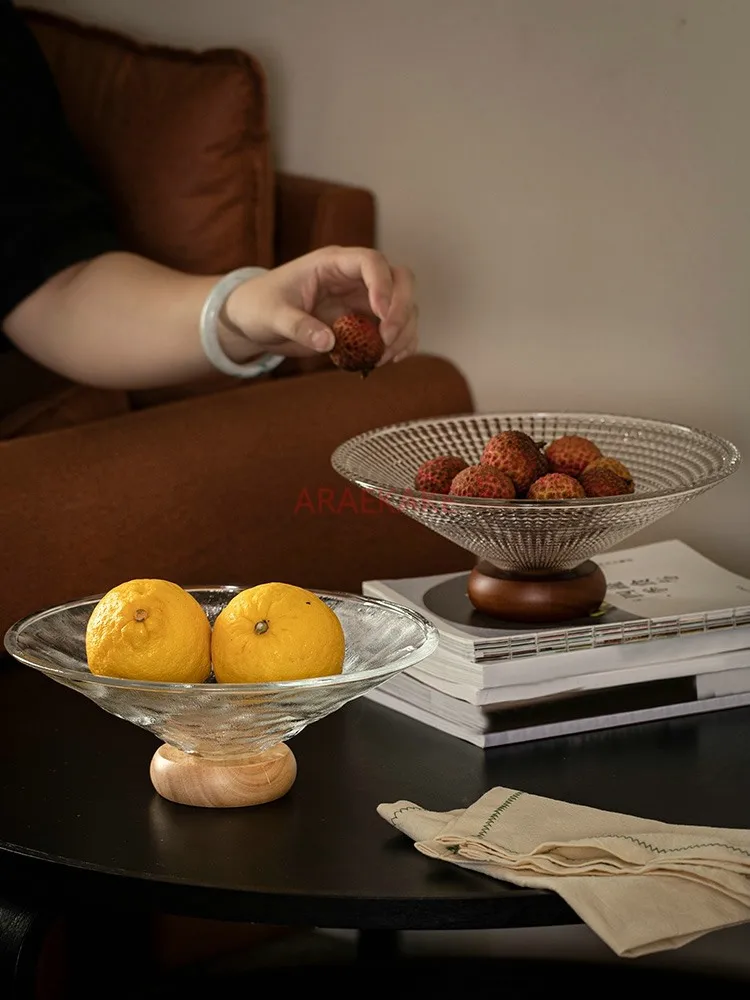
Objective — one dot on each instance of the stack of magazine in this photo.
(671, 639)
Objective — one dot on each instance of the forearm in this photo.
(121, 322)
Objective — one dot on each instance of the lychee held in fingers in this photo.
(359, 346)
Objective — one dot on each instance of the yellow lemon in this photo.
(276, 632)
(149, 630)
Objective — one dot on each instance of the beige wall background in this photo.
(569, 179)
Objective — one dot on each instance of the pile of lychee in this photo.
(515, 466)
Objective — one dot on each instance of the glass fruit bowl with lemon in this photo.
(224, 676)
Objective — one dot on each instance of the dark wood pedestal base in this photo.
(537, 597)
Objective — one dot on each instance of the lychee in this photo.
(555, 486)
(571, 454)
(615, 465)
(483, 482)
(603, 482)
(517, 455)
(436, 474)
(358, 346)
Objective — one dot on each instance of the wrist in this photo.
(235, 333)
(225, 340)
(240, 306)
(233, 342)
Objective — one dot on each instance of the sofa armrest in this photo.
(313, 213)
(233, 487)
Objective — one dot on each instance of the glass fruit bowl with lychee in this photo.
(536, 496)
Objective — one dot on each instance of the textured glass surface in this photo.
(669, 462)
(225, 721)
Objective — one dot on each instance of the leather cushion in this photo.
(179, 140)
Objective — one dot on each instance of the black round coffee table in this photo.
(81, 823)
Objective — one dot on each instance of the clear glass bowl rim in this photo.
(430, 639)
(341, 460)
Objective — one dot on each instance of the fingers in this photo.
(361, 264)
(401, 311)
(303, 329)
(409, 342)
(406, 342)
(390, 291)
(293, 306)
(378, 278)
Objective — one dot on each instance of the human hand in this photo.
(290, 309)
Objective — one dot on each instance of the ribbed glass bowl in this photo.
(229, 721)
(670, 464)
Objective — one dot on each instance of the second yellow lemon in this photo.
(276, 632)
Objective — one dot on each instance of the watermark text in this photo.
(327, 501)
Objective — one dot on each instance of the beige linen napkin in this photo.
(642, 886)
